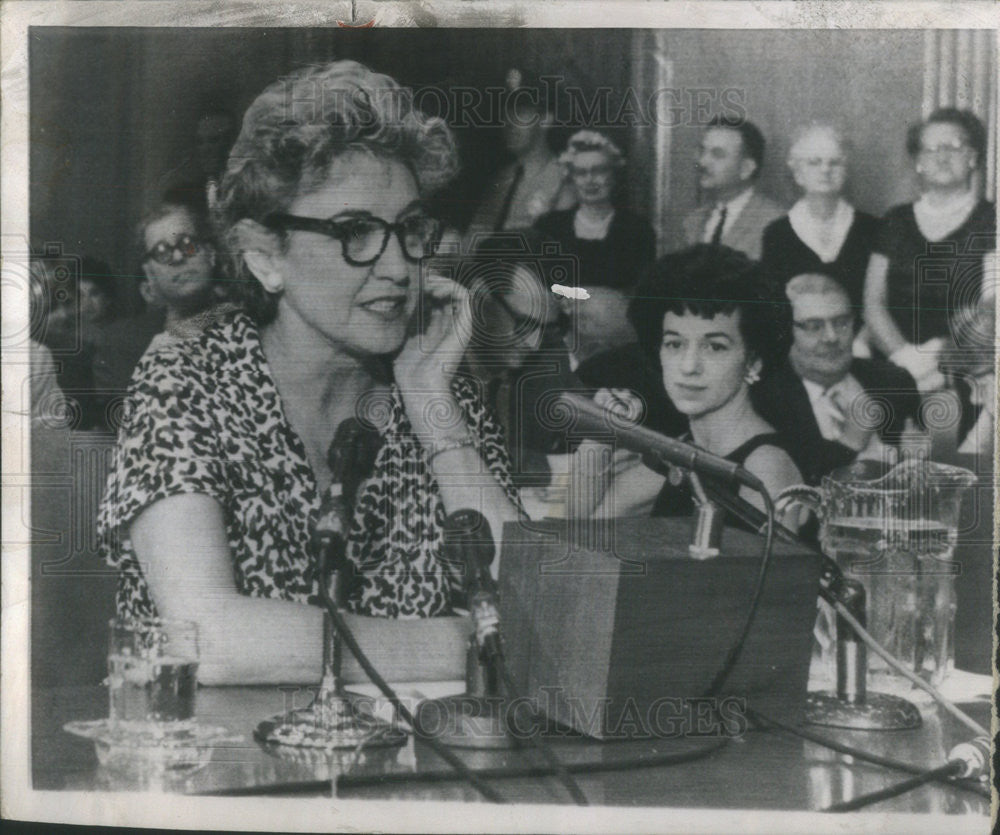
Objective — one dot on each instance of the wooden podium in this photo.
(617, 631)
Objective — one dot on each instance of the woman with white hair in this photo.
(822, 232)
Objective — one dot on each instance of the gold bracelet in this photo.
(448, 446)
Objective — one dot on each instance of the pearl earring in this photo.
(752, 376)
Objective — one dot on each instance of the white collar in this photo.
(938, 220)
(825, 238)
(736, 205)
(591, 230)
(847, 384)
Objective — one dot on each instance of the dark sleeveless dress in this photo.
(674, 500)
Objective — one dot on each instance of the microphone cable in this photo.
(765, 563)
(347, 635)
(751, 516)
(767, 723)
(540, 745)
(499, 773)
(860, 802)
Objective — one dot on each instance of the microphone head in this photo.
(468, 542)
(351, 454)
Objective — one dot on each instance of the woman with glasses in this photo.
(822, 232)
(178, 262)
(228, 457)
(928, 258)
(613, 245)
(714, 325)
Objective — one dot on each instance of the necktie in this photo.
(509, 199)
(717, 232)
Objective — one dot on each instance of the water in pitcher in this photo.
(145, 690)
(909, 578)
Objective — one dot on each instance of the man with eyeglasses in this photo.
(832, 407)
(516, 349)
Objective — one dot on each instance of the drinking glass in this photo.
(152, 674)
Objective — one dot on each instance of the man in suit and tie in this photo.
(534, 182)
(735, 212)
(831, 407)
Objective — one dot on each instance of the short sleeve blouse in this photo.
(928, 279)
(204, 416)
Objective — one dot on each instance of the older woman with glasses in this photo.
(226, 461)
(822, 232)
(928, 258)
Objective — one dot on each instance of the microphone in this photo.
(350, 457)
(974, 756)
(469, 542)
(655, 448)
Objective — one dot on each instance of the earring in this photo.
(752, 376)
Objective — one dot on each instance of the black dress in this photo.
(785, 255)
(617, 260)
(678, 500)
(929, 279)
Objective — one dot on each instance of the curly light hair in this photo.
(590, 140)
(297, 128)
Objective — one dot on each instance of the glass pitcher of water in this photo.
(895, 533)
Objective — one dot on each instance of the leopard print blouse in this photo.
(205, 417)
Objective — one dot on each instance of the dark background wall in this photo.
(112, 111)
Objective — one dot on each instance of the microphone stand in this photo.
(332, 722)
(852, 705)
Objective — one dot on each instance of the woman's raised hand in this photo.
(426, 366)
(624, 403)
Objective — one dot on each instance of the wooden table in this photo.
(758, 770)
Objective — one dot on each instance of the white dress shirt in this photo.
(831, 406)
(733, 209)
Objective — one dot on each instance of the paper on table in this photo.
(409, 692)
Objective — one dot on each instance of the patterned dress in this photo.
(205, 417)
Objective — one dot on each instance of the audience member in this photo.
(830, 407)
(971, 361)
(734, 213)
(178, 261)
(714, 325)
(928, 257)
(68, 338)
(533, 184)
(47, 402)
(613, 247)
(98, 294)
(516, 349)
(822, 232)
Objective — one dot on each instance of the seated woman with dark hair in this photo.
(714, 325)
(222, 465)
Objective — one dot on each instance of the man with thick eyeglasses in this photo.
(831, 407)
(516, 348)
